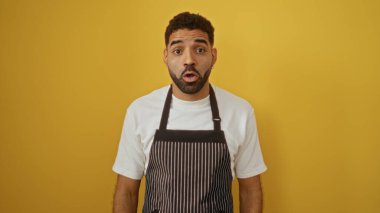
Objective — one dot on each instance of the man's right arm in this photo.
(126, 195)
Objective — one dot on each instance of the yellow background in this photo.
(69, 69)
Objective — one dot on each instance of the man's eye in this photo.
(200, 50)
(177, 51)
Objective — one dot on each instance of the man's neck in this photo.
(203, 93)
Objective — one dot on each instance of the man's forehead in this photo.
(188, 35)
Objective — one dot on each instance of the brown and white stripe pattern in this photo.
(189, 170)
(189, 176)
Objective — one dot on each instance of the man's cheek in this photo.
(176, 71)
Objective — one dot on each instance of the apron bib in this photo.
(189, 171)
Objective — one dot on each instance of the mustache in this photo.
(190, 68)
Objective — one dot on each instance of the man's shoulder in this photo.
(152, 99)
(230, 101)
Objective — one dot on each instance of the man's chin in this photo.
(191, 88)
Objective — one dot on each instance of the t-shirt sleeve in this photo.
(249, 160)
(130, 158)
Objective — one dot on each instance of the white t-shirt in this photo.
(143, 119)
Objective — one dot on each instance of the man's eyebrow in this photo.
(199, 40)
(176, 42)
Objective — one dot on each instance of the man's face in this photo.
(189, 57)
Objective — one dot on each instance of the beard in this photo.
(190, 87)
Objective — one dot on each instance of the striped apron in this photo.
(189, 171)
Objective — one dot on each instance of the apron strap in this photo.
(165, 111)
(214, 109)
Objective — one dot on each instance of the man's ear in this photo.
(165, 56)
(214, 54)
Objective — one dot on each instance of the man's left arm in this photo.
(250, 195)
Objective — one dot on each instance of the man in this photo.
(191, 138)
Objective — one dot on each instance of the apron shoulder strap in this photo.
(214, 109)
(166, 110)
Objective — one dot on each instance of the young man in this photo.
(189, 139)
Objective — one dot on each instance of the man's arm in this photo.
(250, 195)
(126, 195)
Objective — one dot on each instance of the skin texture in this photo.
(126, 195)
(250, 195)
(185, 48)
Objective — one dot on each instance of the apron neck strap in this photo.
(214, 109)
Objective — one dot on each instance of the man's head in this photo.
(189, 53)
(189, 21)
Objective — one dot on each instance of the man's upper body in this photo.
(189, 56)
(143, 119)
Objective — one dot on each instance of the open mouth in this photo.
(190, 77)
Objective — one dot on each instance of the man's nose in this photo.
(188, 58)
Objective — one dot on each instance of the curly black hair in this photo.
(189, 21)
